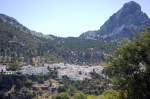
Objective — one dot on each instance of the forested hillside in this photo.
(19, 45)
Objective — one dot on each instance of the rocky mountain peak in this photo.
(125, 23)
(131, 9)
(131, 6)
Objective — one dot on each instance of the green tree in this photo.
(110, 94)
(79, 96)
(130, 68)
(14, 66)
(63, 95)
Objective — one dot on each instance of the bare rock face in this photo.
(89, 35)
(127, 22)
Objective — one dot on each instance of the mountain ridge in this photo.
(20, 44)
(13, 22)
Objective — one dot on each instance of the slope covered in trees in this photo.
(18, 44)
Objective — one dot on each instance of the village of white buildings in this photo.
(73, 72)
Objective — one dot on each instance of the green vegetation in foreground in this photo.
(108, 94)
(130, 68)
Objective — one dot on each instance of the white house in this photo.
(2, 68)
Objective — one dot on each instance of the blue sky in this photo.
(64, 17)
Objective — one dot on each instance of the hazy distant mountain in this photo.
(13, 22)
(128, 21)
